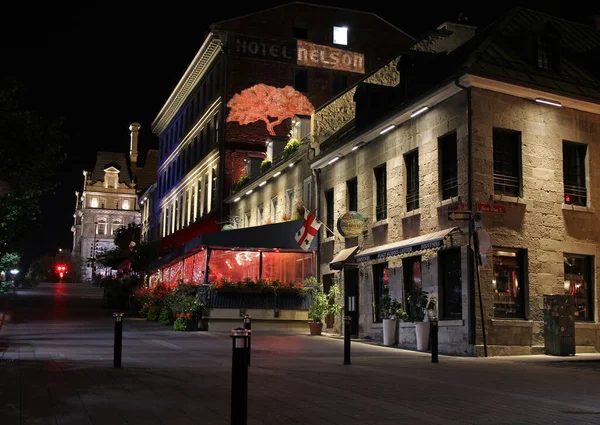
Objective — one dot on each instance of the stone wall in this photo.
(340, 111)
(421, 133)
(537, 221)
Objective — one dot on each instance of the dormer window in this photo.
(300, 30)
(547, 48)
(94, 203)
(340, 35)
(111, 177)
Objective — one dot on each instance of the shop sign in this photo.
(264, 48)
(433, 244)
(310, 54)
(351, 224)
(491, 208)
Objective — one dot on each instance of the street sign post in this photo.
(491, 208)
(459, 215)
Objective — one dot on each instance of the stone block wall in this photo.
(538, 220)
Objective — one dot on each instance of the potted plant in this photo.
(323, 303)
(421, 304)
(392, 312)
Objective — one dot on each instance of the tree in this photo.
(30, 148)
(263, 103)
(9, 260)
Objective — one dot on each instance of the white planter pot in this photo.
(422, 330)
(389, 332)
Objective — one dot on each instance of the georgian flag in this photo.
(309, 229)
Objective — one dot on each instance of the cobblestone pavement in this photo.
(56, 352)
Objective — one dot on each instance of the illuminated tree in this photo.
(264, 103)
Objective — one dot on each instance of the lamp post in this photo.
(14, 273)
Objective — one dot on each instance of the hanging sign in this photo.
(351, 224)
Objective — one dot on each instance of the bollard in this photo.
(347, 322)
(248, 327)
(239, 376)
(118, 339)
(434, 341)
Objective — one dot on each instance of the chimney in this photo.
(133, 147)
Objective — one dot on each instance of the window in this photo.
(579, 283)
(94, 202)
(352, 194)
(186, 218)
(125, 204)
(308, 193)
(213, 198)
(450, 284)
(508, 282)
(289, 202)
(380, 284)
(206, 192)
(193, 205)
(340, 35)
(507, 162)
(199, 198)
(330, 211)
(574, 172)
(247, 219)
(448, 165)
(259, 214)
(301, 80)
(115, 226)
(340, 82)
(101, 227)
(548, 52)
(117, 204)
(300, 30)
(176, 214)
(411, 267)
(274, 210)
(412, 180)
(381, 192)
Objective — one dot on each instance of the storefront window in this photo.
(380, 284)
(411, 267)
(287, 266)
(578, 282)
(508, 283)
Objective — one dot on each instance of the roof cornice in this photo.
(205, 56)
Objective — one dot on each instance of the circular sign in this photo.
(351, 224)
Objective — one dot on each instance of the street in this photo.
(56, 354)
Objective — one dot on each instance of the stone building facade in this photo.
(494, 126)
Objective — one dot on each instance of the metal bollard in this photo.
(434, 341)
(239, 376)
(248, 327)
(118, 339)
(347, 323)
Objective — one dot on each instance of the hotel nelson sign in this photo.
(298, 52)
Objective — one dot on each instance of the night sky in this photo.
(102, 68)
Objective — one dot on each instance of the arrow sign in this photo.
(459, 215)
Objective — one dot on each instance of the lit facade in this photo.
(485, 142)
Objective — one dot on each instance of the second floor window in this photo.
(381, 192)
(507, 162)
(352, 191)
(289, 202)
(301, 80)
(412, 180)
(259, 216)
(274, 210)
(574, 173)
(330, 211)
(448, 165)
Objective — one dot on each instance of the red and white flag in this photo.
(309, 229)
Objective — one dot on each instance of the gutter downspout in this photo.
(470, 265)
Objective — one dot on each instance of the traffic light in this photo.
(61, 269)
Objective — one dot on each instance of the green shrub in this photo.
(292, 146)
(152, 313)
(265, 165)
(165, 317)
(179, 324)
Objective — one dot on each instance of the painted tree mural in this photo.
(265, 103)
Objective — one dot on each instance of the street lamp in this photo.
(14, 273)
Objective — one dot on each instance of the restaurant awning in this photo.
(432, 241)
(345, 256)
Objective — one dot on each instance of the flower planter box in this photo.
(245, 300)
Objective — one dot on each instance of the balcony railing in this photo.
(506, 184)
(575, 195)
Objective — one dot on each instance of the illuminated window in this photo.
(247, 219)
(101, 228)
(508, 282)
(125, 204)
(115, 226)
(259, 217)
(94, 202)
(274, 210)
(340, 35)
(579, 283)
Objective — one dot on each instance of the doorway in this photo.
(351, 297)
